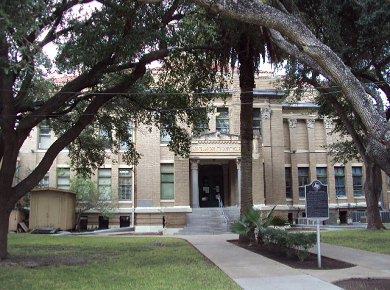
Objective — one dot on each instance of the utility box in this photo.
(16, 217)
(52, 207)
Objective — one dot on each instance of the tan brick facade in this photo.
(291, 139)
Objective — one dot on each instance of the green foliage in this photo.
(284, 242)
(358, 32)
(250, 222)
(90, 197)
(343, 152)
(106, 50)
(287, 242)
(279, 221)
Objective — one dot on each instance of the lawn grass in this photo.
(367, 240)
(83, 263)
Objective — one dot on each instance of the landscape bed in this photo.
(327, 264)
(310, 261)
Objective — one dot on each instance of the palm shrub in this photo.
(251, 222)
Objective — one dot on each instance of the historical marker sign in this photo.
(317, 205)
(317, 208)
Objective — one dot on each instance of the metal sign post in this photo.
(318, 244)
(317, 208)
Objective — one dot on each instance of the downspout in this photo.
(132, 215)
(133, 202)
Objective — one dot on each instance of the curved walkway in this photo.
(252, 271)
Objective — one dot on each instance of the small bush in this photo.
(288, 243)
(279, 221)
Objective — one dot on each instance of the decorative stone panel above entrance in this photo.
(216, 145)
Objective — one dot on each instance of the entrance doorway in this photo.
(343, 217)
(103, 223)
(210, 185)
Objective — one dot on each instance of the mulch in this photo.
(309, 263)
(366, 284)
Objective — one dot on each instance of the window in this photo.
(104, 182)
(63, 178)
(339, 177)
(388, 183)
(222, 120)
(202, 125)
(322, 175)
(105, 137)
(124, 221)
(357, 177)
(125, 184)
(44, 135)
(303, 179)
(123, 145)
(256, 122)
(164, 135)
(167, 181)
(288, 182)
(45, 181)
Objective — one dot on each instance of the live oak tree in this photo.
(359, 34)
(347, 123)
(292, 36)
(106, 49)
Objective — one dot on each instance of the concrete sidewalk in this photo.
(252, 271)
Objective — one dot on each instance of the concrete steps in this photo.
(209, 221)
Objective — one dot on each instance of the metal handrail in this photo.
(225, 218)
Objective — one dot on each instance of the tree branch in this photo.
(85, 119)
(292, 50)
(257, 12)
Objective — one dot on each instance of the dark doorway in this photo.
(83, 223)
(210, 185)
(124, 221)
(343, 217)
(290, 218)
(103, 223)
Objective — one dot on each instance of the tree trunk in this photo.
(246, 133)
(372, 191)
(246, 60)
(4, 222)
(373, 182)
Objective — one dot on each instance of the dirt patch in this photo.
(13, 261)
(357, 284)
(309, 263)
(33, 262)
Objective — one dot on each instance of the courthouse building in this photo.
(289, 151)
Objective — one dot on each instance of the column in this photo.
(292, 125)
(226, 196)
(194, 182)
(310, 123)
(238, 162)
